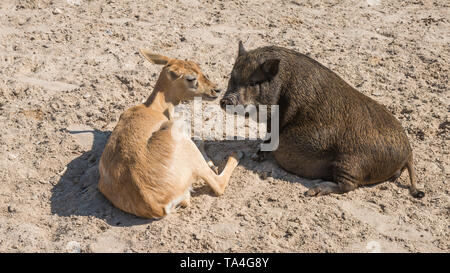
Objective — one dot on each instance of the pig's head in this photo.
(252, 80)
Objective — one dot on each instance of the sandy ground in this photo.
(68, 69)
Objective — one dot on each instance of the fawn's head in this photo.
(183, 79)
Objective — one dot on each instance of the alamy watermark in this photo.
(211, 123)
(373, 247)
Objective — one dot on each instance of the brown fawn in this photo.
(150, 162)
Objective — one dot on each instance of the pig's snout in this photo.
(224, 102)
(229, 100)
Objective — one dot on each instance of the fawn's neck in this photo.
(161, 99)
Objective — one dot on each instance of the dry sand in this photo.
(68, 69)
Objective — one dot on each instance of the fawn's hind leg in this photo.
(201, 147)
(192, 157)
(187, 201)
(218, 183)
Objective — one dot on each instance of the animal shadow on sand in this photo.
(218, 151)
(76, 192)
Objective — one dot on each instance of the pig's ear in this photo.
(242, 50)
(266, 72)
(270, 68)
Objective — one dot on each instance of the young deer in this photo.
(149, 162)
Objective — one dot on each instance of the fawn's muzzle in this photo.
(212, 93)
(217, 91)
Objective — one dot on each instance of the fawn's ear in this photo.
(154, 58)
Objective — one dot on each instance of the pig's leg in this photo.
(344, 178)
(260, 156)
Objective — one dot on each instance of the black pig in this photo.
(327, 129)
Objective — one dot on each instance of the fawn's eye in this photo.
(252, 83)
(190, 78)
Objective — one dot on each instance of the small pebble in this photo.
(74, 2)
(11, 209)
(56, 11)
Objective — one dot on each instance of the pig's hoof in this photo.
(258, 156)
(312, 192)
(323, 189)
(418, 194)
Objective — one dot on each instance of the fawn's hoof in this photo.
(215, 169)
